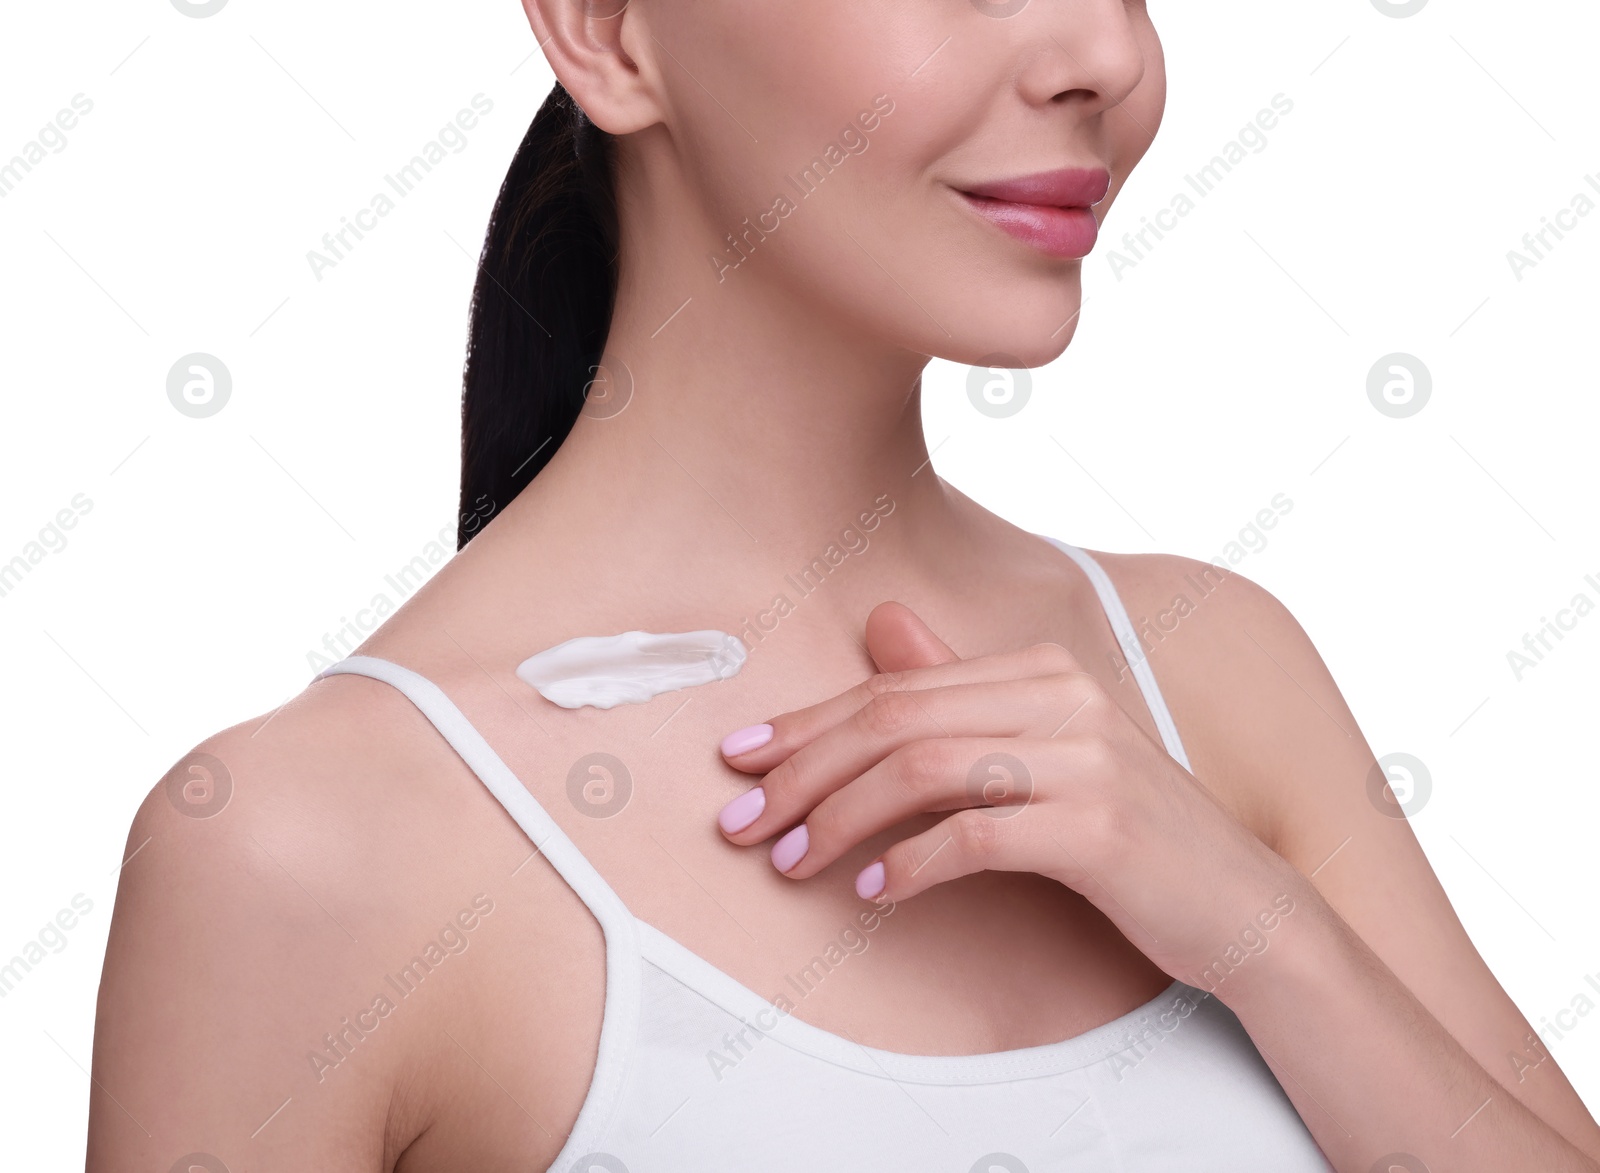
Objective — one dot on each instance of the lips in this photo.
(1049, 210)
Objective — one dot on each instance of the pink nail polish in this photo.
(791, 849)
(870, 882)
(742, 811)
(746, 739)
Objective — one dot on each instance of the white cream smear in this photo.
(629, 669)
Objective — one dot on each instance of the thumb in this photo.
(898, 639)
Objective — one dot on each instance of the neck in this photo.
(743, 424)
(761, 440)
(736, 412)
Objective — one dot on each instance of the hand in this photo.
(1046, 774)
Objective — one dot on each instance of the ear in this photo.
(898, 639)
(599, 51)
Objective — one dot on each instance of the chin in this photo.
(1027, 327)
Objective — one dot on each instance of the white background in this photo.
(1228, 366)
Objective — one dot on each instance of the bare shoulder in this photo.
(1263, 718)
(308, 905)
(1251, 696)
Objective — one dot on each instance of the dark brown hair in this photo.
(541, 307)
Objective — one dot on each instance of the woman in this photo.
(962, 888)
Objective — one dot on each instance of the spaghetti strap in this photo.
(1132, 651)
(696, 1070)
(465, 739)
(624, 980)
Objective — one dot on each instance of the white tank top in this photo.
(699, 1074)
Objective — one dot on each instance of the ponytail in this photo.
(541, 307)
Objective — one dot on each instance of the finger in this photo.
(761, 747)
(898, 639)
(919, 778)
(886, 724)
(1000, 839)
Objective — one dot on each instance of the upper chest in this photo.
(989, 962)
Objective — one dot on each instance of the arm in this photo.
(1379, 1017)
(221, 975)
(240, 1011)
(1366, 1057)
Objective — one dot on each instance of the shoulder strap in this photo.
(1132, 650)
(619, 1024)
(465, 739)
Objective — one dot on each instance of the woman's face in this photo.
(833, 139)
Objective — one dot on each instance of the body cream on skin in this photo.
(604, 671)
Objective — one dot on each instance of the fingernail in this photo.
(870, 882)
(791, 849)
(742, 811)
(744, 740)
